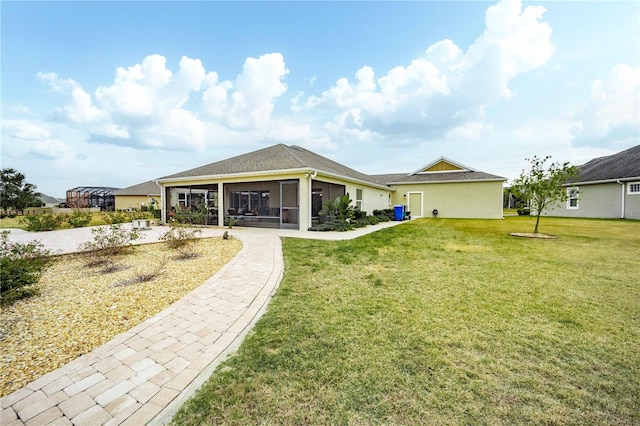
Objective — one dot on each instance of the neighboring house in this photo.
(48, 201)
(91, 197)
(448, 189)
(607, 187)
(137, 196)
(286, 186)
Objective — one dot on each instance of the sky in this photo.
(119, 93)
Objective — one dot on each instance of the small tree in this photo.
(15, 193)
(542, 186)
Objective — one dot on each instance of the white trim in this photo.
(577, 198)
(448, 181)
(249, 175)
(629, 192)
(361, 200)
(595, 182)
(452, 162)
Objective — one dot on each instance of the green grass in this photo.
(444, 322)
(14, 222)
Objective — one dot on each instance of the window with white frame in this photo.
(633, 188)
(359, 192)
(573, 196)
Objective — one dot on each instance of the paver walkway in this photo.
(144, 375)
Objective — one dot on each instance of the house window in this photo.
(194, 199)
(572, 201)
(359, 192)
(633, 188)
(250, 202)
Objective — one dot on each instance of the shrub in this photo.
(139, 214)
(373, 220)
(334, 225)
(183, 240)
(359, 214)
(384, 215)
(113, 218)
(79, 218)
(21, 266)
(230, 221)
(113, 240)
(361, 223)
(43, 222)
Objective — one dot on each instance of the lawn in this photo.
(16, 222)
(444, 322)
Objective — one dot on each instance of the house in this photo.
(286, 186)
(447, 188)
(607, 187)
(48, 201)
(138, 196)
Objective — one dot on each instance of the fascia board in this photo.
(353, 180)
(235, 175)
(447, 181)
(596, 182)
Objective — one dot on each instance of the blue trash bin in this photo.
(398, 212)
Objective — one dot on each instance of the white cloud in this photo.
(24, 129)
(442, 94)
(613, 115)
(446, 90)
(27, 139)
(249, 102)
(17, 109)
(142, 108)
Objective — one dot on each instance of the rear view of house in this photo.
(285, 186)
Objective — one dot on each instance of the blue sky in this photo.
(117, 93)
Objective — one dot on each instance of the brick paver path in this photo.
(143, 376)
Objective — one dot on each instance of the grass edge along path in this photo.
(445, 322)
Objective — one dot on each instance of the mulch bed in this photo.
(80, 308)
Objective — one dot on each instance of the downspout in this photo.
(622, 197)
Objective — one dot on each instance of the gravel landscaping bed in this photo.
(80, 308)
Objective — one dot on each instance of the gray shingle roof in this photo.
(625, 164)
(274, 158)
(49, 200)
(144, 188)
(436, 177)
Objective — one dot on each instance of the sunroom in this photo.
(276, 187)
(255, 203)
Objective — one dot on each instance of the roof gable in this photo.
(624, 164)
(443, 165)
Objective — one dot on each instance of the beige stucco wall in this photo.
(482, 200)
(124, 202)
(372, 198)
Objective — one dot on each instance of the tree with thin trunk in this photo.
(542, 186)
